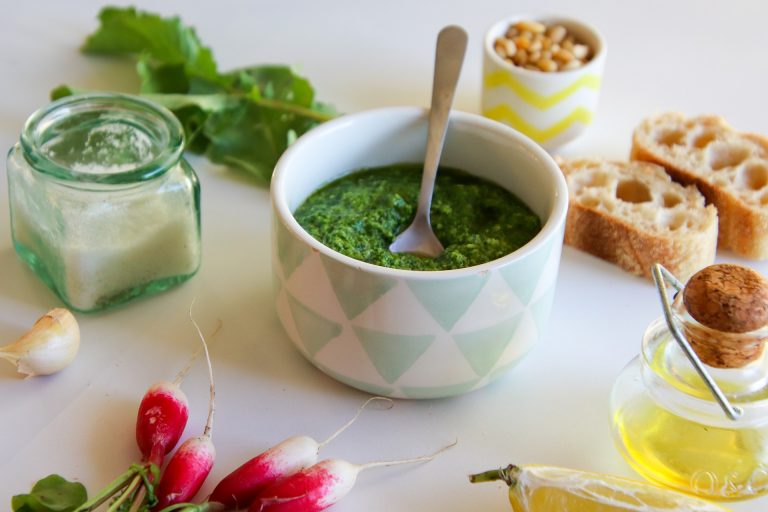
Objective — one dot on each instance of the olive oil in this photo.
(716, 462)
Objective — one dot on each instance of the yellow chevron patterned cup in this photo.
(551, 108)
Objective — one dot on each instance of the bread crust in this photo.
(636, 234)
(742, 206)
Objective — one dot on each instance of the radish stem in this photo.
(350, 422)
(146, 491)
(126, 494)
(423, 458)
(118, 483)
(207, 431)
(139, 501)
(195, 507)
(184, 371)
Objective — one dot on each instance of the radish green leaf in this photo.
(51, 494)
(243, 119)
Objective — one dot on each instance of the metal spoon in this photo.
(418, 238)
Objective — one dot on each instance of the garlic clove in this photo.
(48, 347)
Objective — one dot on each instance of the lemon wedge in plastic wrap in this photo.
(534, 488)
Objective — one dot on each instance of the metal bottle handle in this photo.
(660, 276)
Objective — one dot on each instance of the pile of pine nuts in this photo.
(535, 46)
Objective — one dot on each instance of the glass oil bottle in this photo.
(691, 411)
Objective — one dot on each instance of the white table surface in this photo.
(693, 56)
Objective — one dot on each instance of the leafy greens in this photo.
(243, 118)
(51, 494)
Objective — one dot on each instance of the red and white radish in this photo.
(161, 420)
(192, 462)
(241, 487)
(186, 472)
(320, 486)
(163, 414)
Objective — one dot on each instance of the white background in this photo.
(692, 56)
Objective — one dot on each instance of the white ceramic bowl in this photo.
(551, 108)
(404, 333)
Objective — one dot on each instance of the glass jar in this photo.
(104, 208)
(669, 427)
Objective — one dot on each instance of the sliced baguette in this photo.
(632, 214)
(728, 167)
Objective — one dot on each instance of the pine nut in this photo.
(556, 33)
(522, 43)
(580, 51)
(533, 45)
(505, 47)
(530, 26)
(520, 59)
(574, 64)
(547, 65)
(563, 55)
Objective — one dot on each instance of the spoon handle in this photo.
(449, 55)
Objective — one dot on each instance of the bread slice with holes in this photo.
(633, 214)
(728, 167)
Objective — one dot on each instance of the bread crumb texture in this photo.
(730, 168)
(633, 214)
(709, 147)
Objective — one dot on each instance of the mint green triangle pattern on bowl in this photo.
(447, 301)
(384, 334)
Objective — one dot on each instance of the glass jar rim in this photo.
(141, 110)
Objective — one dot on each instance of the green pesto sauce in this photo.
(360, 214)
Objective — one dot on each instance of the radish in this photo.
(241, 487)
(186, 471)
(192, 462)
(320, 486)
(162, 416)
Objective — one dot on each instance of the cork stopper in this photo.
(730, 304)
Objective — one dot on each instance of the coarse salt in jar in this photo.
(104, 208)
(692, 413)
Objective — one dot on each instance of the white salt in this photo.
(106, 247)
